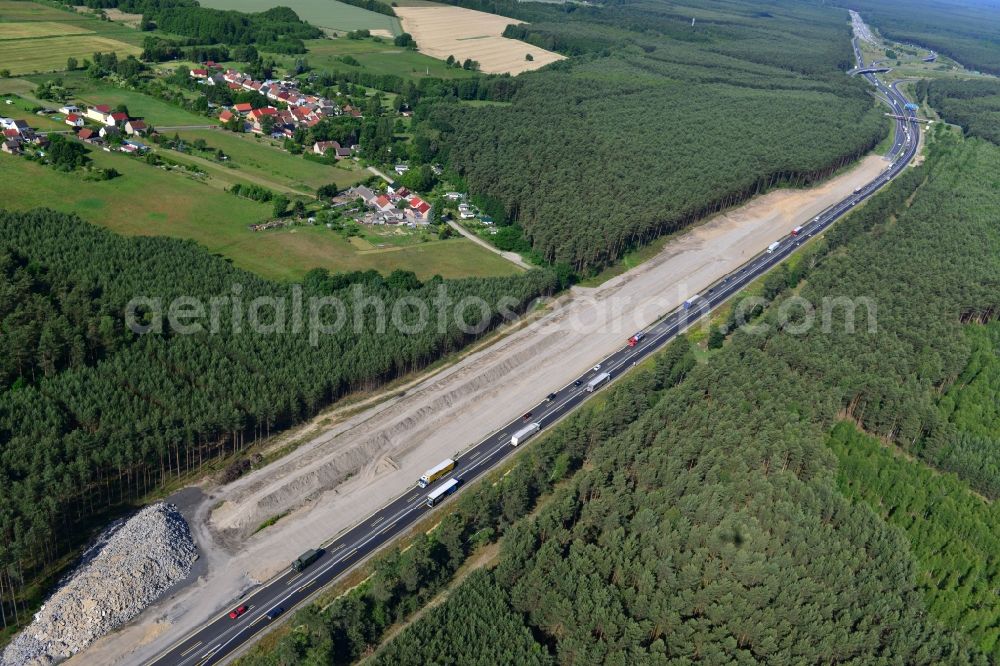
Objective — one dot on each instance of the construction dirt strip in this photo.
(358, 464)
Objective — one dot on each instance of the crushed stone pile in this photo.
(130, 564)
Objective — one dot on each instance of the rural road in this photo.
(221, 637)
(512, 257)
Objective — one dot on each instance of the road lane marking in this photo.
(410, 499)
(190, 649)
(474, 455)
(294, 578)
(376, 521)
(399, 517)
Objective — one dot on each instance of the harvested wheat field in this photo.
(465, 33)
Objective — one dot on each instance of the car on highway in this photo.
(275, 612)
(236, 612)
(526, 416)
(577, 382)
(550, 397)
(596, 368)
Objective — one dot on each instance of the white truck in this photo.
(772, 247)
(598, 381)
(524, 433)
(442, 491)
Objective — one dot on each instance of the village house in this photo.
(11, 147)
(74, 120)
(136, 127)
(334, 147)
(19, 127)
(383, 204)
(199, 73)
(419, 210)
(257, 116)
(117, 118)
(108, 132)
(98, 113)
(363, 193)
(321, 147)
(70, 108)
(243, 108)
(226, 116)
(87, 135)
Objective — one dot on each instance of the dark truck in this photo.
(306, 558)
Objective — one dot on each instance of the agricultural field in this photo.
(157, 112)
(263, 163)
(376, 58)
(29, 29)
(269, 254)
(19, 108)
(441, 31)
(144, 201)
(330, 15)
(151, 201)
(39, 38)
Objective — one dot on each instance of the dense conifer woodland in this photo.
(799, 496)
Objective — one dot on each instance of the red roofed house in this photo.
(199, 73)
(116, 118)
(245, 107)
(258, 115)
(74, 120)
(419, 208)
(383, 203)
(86, 134)
(226, 115)
(135, 127)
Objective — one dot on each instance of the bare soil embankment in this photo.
(341, 476)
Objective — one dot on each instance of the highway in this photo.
(222, 636)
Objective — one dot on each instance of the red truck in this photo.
(634, 340)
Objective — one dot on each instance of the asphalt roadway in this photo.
(222, 636)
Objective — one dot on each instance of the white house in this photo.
(99, 113)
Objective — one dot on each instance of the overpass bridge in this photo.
(868, 70)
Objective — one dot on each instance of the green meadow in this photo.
(327, 14)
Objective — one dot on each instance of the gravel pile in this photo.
(130, 565)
